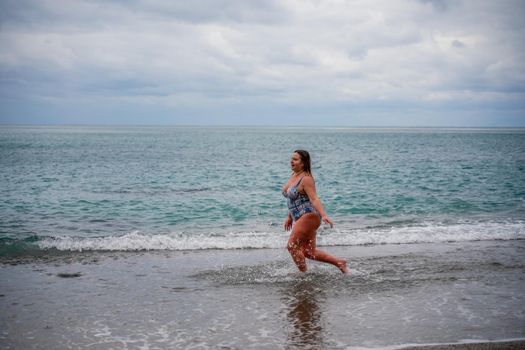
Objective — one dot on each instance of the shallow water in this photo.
(239, 299)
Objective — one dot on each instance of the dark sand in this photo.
(506, 345)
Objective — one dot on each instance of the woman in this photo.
(305, 214)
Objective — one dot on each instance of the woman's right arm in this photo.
(288, 222)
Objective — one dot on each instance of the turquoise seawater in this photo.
(132, 188)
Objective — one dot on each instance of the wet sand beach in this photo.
(504, 345)
(396, 296)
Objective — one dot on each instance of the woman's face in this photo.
(296, 163)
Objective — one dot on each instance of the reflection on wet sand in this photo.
(303, 315)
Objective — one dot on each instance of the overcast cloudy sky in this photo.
(263, 62)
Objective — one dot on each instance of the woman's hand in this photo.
(288, 223)
(328, 221)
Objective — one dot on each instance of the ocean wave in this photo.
(175, 241)
(426, 233)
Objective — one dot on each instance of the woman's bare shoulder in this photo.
(308, 180)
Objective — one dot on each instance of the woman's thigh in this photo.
(305, 228)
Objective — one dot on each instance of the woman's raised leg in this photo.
(311, 251)
(302, 244)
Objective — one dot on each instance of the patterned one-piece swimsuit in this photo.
(298, 203)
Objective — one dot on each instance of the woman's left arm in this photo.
(309, 189)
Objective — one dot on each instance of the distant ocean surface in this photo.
(78, 188)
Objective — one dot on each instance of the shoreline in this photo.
(35, 254)
(421, 297)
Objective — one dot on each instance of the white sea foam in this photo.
(425, 233)
(430, 232)
(139, 241)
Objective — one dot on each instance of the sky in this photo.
(445, 63)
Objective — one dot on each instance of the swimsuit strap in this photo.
(297, 184)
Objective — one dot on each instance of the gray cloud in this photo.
(458, 44)
(329, 62)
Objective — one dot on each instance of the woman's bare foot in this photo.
(342, 266)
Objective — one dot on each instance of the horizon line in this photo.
(266, 126)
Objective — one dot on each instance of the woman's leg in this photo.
(303, 231)
(310, 251)
(302, 243)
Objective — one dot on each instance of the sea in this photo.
(172, 237)
(131, 188)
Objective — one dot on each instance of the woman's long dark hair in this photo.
(305, 158)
